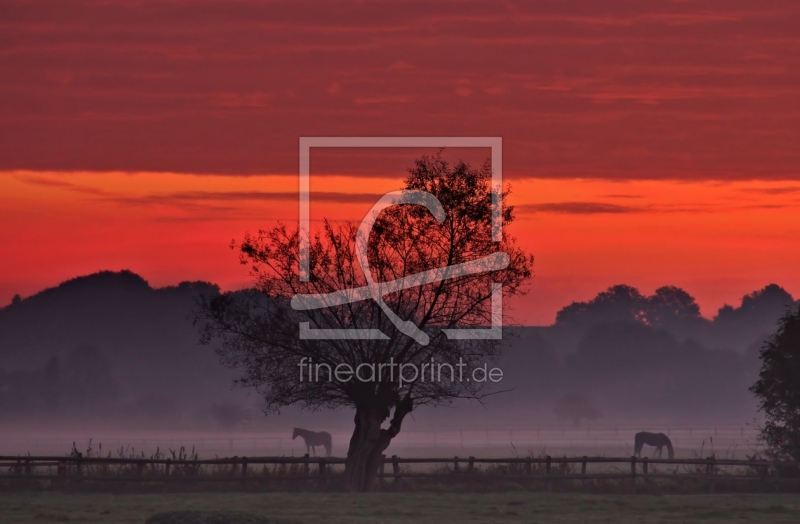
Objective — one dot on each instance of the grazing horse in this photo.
(314, 439)
(658, 440)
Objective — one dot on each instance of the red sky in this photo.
(647, 143)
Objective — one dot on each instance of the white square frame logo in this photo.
(306, 143)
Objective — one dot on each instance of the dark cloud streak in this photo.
(579, 208)
(232, 196)
(330, 197)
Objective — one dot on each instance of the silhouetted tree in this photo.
(778, 388)
(619, 302)
(669, 307)
(754, 319)
(259, 331)
(763, 306)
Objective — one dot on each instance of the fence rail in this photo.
(243, 469)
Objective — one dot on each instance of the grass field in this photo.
(44, 507)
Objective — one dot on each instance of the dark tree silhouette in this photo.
(759, 307)
(258, 330)
(754, 319)
(620, 302)
(669, 308)
(778, 388)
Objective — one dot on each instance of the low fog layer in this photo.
(107, 349)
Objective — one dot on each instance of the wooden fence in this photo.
(421, 440)
(546, 470)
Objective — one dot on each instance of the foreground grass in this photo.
(312, 508)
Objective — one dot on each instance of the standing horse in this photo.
(658, 440)
(314, 439)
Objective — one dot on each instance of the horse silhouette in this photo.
(658, 440)
(314, 439)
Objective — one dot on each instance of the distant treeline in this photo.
(626, 355)
(108, 346)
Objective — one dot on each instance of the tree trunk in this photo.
(369, 442)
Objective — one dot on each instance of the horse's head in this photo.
(296, 432)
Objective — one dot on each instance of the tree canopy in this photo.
(778, 388)
(260, 332)
(667, 307)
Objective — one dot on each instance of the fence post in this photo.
(644, 465)
(166, 468)
(382, 471)
(710, 472)
(547, 473)
(396, 469)
(244, 469)
(305, 464)
(455, 465)
(583, 470)
(633, 473)
(471, 465)
(322, 472)
(528, 467)
(78, 469)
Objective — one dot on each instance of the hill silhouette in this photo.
(112, 345)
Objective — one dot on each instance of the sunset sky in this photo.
(646, 143)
